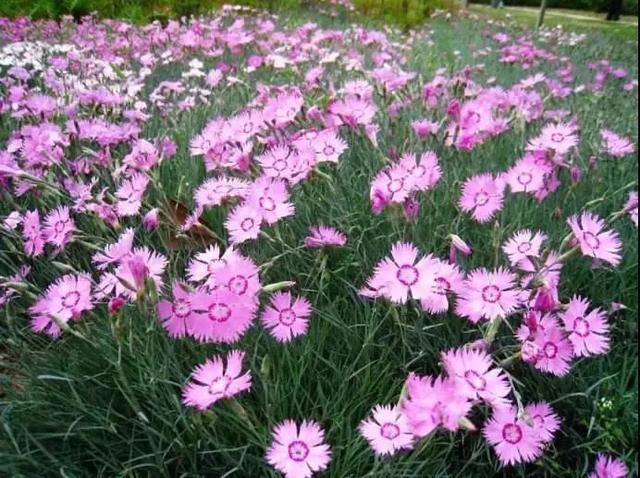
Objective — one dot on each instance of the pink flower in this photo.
(424, 128)
(204, 265)
(631, 207)
(353, 111)
(143, 155)
(488, 295)
(444, 279)
(240, 275)
(283, 109)
(33, 237)
(243, 224)
(220, 316)
(526, 175)
(546, 346)
(151, 221)
(387, 431)
(321, 236)
(130, 194)
(114, 252)
(391, 185)
(513, 440)
(175, 315)
(270, 198)
(594, 241)
(616, 146)
(285, 317)
(609, 467)
(545, 421)
(523, 245)
(136, 267)
(433, 402)
(482, 196)
(458, 245)
(588, 333)
(401, 274)
(59, 227)
(298, 452)
(474, 377)
(215, 190)
(285, 162)
(212, 381)
(560, 138)
(326, 144)
(425, 172)
(66, 299)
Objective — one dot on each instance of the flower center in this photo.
(524, 247)
(592, 241)
(390, 431)
(328, 150)
(181, 308)
(238, 285)
(418, 171)
(287, 317)
(581, 327)
(59, 227)
(481, 198)
(474, 379)
(219, 385)
(442, 286)
(395, 185)
(557, 137)
(219, 312)
(550, 350)
(248, 127)
(408, 275)
(247, 224)
(298, 450)
(491, 294)
(280, 165)
(512, 433)
(524, 178)
(267, 204)
(71, 299)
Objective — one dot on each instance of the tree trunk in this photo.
(543, 9)
(615, 9)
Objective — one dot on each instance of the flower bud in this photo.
(150, 221)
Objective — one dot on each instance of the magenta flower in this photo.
(353, 111)
(298, 452)
(523, 245)
(285, 317)
(588, 333)
(424, 128)
(32, 234)
(212, 381)
(391, 185)
(243, 224)
(59, 227)
(513, 440)
(487, 295)
(609, 467)
(401, 274)
(143, 156)
(219, 316)
(283, 109)
(285, 162)
(175, 315)
(240, 275)
(387, 431)
(616, 146)
(482, 196)
(270, 199)
(545, 420)
(130, 194)
(66, 299)
(324, 236)
(474, 376)
(594, 241)
(433, 402)
(151, 221)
